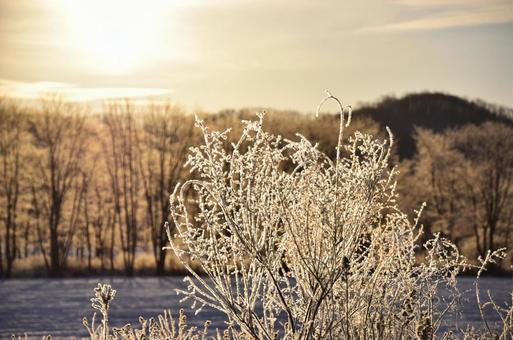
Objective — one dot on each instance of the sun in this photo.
(117, 36)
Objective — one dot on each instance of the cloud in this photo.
(474, 15)
(72, 92)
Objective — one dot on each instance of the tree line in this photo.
(88, 192)
(92, 187)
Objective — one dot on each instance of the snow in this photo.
(57, 306)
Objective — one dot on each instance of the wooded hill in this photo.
(434, 111)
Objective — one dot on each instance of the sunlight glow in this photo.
(118, 35)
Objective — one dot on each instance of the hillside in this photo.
(435, 111)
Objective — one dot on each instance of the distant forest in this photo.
(87, 193)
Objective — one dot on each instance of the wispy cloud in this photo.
(450, 14)
(72, 92)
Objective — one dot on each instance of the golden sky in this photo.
(232, 53)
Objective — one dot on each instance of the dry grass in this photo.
(34, 266)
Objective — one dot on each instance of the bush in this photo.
(317, 250)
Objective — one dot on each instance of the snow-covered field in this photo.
(49, 306)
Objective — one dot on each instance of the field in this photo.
(56, 306)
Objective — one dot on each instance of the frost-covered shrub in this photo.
(316, 250)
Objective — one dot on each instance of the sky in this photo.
(215, 54)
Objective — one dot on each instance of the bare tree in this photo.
(59, 136)
(489, 186)
(435, 175)
(12, 135)
(98, 212)
(123, 170)
(466, 176)
(167, 133)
